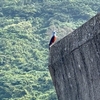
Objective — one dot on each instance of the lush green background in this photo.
(25, 31)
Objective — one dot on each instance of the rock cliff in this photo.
(74, 63)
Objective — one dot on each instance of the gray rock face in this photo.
(74, 63)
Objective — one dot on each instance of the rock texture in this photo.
(74, 63)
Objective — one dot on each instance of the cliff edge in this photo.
(74, 63)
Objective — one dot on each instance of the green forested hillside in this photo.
(25, 30)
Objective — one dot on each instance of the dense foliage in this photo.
(25, 28)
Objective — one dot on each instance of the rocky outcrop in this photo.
(74, 63)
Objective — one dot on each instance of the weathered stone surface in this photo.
(74, 63)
